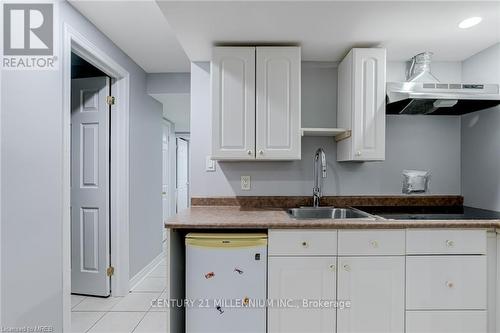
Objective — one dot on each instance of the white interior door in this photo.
(166, 172)
(182, 174)
(90, 186)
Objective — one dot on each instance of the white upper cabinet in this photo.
(233, 103)
(361, 105)
(256, 103)
(278, 103)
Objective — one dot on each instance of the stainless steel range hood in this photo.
(422, 93)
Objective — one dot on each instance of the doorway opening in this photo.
(95, 173)
(176, 122)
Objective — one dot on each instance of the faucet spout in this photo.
(319, 161)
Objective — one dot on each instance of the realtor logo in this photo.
(28, 36)
(29, 29)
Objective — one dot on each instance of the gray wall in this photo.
(146, 221)
(173, 91)
(31, 191)
(481, 137)
(420, 142)
(168, 83)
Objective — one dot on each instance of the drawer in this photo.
(446, 283)
(302, 242)
(446, 322)
(371, 242)
(446, 241)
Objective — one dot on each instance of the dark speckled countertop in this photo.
(236, 217)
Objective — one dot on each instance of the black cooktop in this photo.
(432, 213)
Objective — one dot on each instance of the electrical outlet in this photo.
(245, 183)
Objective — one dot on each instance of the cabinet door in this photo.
(278, 103)
(449, 321)
(375, 287)
(299, 278)
(368, 123)
(233, 103)
(446, 283)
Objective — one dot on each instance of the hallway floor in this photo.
(132, 313)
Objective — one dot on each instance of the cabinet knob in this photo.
(347, 268)
(358, 153)
(450, 243)
(249, 152)
(305, 244)
(449, 284)
(261, 152)
(332, 267)
(374, 243)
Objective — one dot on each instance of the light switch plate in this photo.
(209, 165)
(245, 183)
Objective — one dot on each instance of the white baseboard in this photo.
(145, 271)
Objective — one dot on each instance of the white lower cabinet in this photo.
(445, 321)
(413, 281)
(445, 241)
(375, 288)
(309, 243)
(297, 279)
(446, 283)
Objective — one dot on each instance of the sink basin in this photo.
(327, 213)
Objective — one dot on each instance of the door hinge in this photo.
(110, 100)
(110, 271)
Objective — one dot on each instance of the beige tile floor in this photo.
(132, 313)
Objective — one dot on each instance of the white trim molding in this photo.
(172, 167)
(497, 310)
(492, 284)
(143, 273)
(73, 41)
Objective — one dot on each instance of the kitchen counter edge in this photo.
(230, 217)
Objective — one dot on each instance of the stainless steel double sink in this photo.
(303, 213)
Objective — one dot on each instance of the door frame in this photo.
(185, 137)
(172, 165)
(74, 41)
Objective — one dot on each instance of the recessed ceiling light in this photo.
(470, 22)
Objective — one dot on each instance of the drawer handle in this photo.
(249, 152)
(449, 284)
(450, 243)
(374, 244)
(305, 244)
(347, 268)
(332, 267)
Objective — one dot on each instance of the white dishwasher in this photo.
(226, 282)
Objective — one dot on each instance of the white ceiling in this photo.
(158, 35)
(326, 30)
(140, 30)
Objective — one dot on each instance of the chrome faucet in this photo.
(319, 157)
